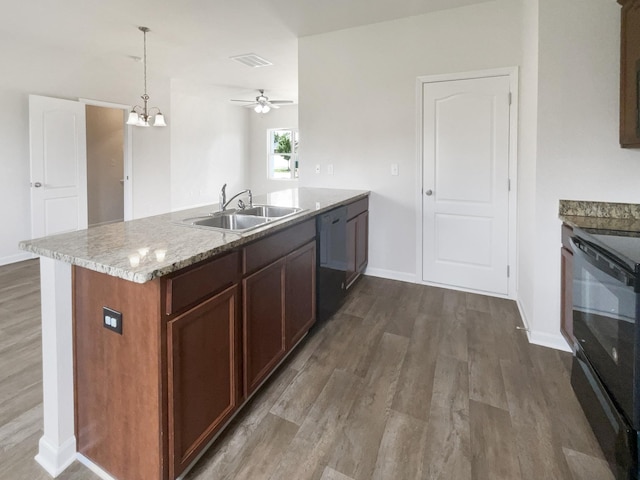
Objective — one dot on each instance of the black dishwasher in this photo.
(331, 261)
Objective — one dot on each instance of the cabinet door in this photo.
(204, 377)
(352, 271)
(566, 300)
(630, 74)
(300, 295)
(362, 241)
(263, 335)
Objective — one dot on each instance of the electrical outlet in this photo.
(317, 168)
(112, 320)
(394, 169)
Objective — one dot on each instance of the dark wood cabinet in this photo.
(263, 323)
(362, 241)
(357, 246)
(278, 299)
(566, 299)
(300, 298)
(630, 74)
(194, 345)
(203, 373)
(352, 272)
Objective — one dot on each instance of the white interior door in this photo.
(57, 132)
(465, 185)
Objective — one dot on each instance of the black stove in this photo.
(606, 320)
(624, 246)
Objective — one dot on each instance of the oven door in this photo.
(604, 320)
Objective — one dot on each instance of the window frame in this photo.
(293, 171)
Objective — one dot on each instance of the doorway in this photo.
(467, 128)
(105, 165)
(58, 158)
(110, 141)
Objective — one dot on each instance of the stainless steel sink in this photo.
(239, 221)
(269, 211)
(231, 222)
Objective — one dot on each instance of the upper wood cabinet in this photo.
(630, 74)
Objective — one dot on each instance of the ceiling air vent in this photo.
(251, 60)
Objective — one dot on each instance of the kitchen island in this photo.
(150, 273)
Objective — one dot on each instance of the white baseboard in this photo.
(544, 339)
(93, 467)
(55, 459)
(550, 340)
(18, 257)
(525, 321)
(391, 275)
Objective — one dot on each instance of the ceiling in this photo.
(193, 39)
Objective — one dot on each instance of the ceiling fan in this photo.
(262, 104)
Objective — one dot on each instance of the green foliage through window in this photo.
(283, 153)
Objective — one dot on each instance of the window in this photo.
(282, 150)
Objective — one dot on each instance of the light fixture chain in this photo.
(145, 61)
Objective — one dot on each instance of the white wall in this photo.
(209, 144)
(527, 149)
(357, 108)
(36, 69)
(578, 154)
(284, 117)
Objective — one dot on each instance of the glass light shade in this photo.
(133, 118)
(258, 108)
(142, 122)
(159, 120)
(266, 108)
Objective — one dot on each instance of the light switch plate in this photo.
(317, 168)
(394, 169)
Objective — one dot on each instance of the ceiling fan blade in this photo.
(271, 104)
(246, 101)
(281, 102)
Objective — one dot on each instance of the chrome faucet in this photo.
(223, 198)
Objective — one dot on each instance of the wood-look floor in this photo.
(405, 382)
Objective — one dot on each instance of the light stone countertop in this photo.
(147, 248)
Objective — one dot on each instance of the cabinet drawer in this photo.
(356, 208)
(271, 248)
(193, 284)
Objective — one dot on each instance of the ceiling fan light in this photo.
(159, 120)
(133, 118)
(258, 109)
(266, 108)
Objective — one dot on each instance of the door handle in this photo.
(37, 184)
(428, 193)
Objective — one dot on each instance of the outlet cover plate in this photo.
(112, 320)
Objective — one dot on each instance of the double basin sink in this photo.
(242, 220)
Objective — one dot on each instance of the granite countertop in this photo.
(147, 248)
(606, 217)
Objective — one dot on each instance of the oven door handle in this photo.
(601, 261)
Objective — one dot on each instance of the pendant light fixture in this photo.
(139, 116)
